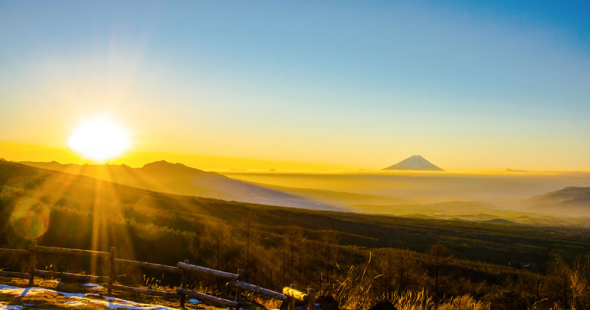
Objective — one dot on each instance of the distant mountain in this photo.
(515, 170)
(179, 179)
(500, 222)
(416, 162)
(568, 194)
(572, 199)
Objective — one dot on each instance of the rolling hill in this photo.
(571, 200)
(179, 179)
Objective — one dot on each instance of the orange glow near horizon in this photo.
(138, 156)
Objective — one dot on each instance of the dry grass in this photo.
(464, 302)
(354, 293)
(415, 301)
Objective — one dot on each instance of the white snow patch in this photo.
(71, 295)
(13, 290)
(116, 303)
(125, 304)
(93, 286)
(9, 307)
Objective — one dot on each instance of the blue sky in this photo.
(465, 84)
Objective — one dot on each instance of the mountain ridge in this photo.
(570, 199)
(177, 178)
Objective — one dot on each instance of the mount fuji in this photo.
(415, 162)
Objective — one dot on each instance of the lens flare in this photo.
(30, 219)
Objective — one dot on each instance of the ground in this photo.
(52, 294)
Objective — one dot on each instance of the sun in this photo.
(100, 139)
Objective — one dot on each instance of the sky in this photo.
(301, 84)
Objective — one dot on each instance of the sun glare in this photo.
(100, 139)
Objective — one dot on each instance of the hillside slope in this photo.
(179, 179)
(571, 200)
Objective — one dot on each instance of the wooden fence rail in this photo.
(48, 249)
(207, 298)
(170, 269)
(14, 251)
(15, 274)
(289, 295)
(260, 290)
(217, 273)
(298, 295)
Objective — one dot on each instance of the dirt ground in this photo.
(49, 294)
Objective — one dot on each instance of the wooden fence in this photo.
(289, 294)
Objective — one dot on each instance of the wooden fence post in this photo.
(239, 290)
(311, 298)
(183, 283)
(291, 300)
(33, 261)
(113, 274)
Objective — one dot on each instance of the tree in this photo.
(581, 282)
(247, 229)
(437, 261)
(405, 270)
(327, 261)
(560, 283)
